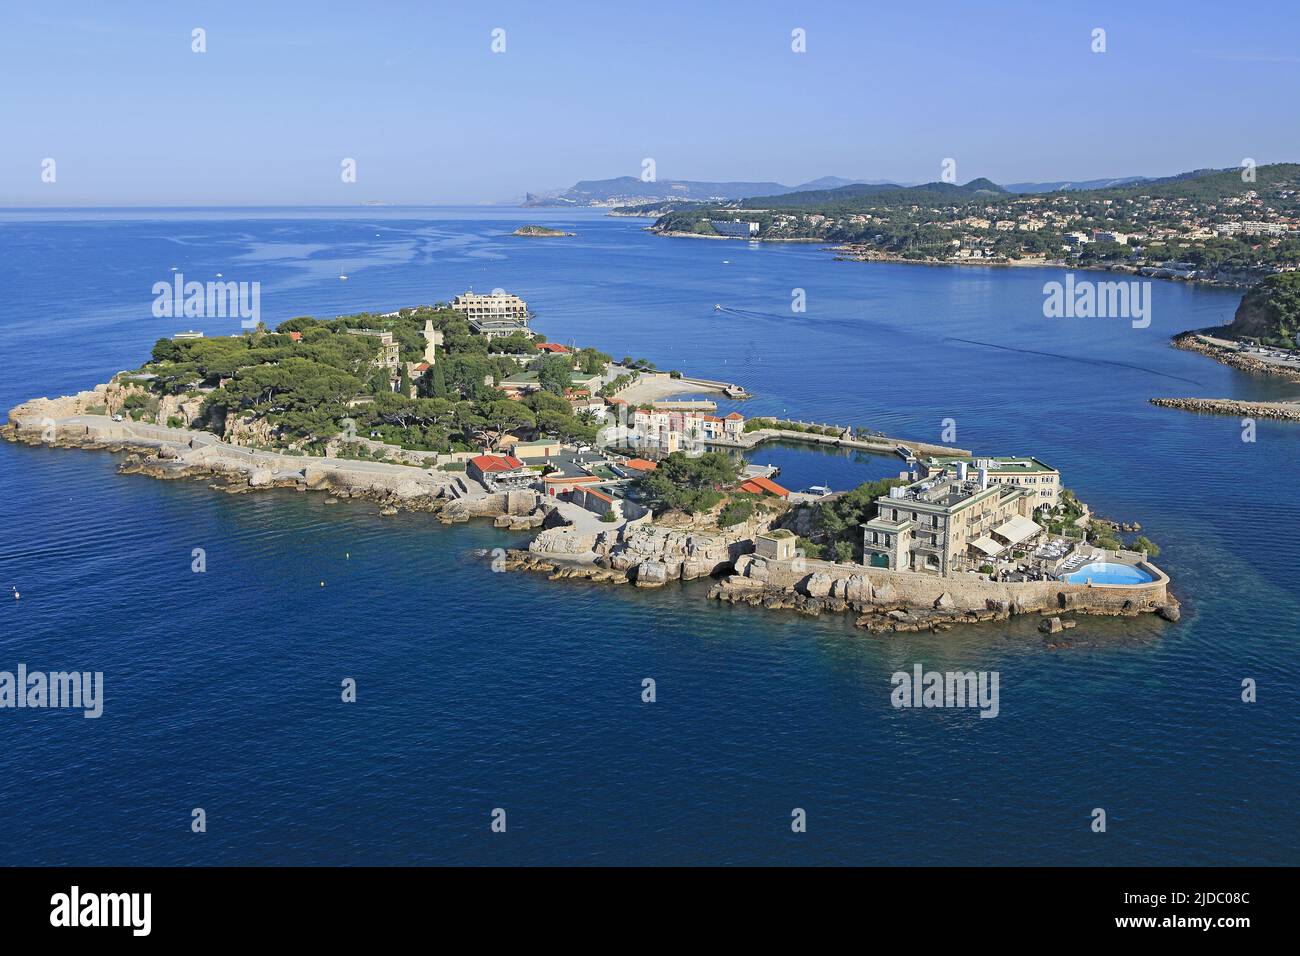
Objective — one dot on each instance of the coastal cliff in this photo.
(1270, 311)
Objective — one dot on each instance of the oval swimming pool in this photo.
(1103, 572)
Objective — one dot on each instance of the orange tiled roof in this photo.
(640, 464)
(486, 463)
(760, 485)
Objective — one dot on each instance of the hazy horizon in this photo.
(283, 95)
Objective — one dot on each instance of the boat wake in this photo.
(1075, 358)
(748, 313)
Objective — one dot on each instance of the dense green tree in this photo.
(554, 373)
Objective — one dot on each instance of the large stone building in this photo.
(1041, 480)
(494, 315)
(947, 524)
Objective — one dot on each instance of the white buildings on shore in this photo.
(497, 314)
(735, 228)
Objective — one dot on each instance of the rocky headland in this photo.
(568, 543)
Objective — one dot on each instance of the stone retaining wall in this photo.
(861, 585)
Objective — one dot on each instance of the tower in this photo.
(432, 339)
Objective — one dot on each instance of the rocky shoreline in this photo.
(1188, 342)
(883, 602)
(515, 511)
(637, 552)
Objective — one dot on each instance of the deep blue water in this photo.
(479, 691)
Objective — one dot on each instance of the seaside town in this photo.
(622, 472)
(1226, 228)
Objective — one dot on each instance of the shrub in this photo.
(735, 511)
(1143, 543)
(809, 549)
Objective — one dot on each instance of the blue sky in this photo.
(413, 92)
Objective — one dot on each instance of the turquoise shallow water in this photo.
(478, 691)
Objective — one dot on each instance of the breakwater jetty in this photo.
(838, 436)
(1283, 411)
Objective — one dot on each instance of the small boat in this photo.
(717, 307)
(218, 275)
(343, 277)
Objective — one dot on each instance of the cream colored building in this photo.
(947, 524)
(493, 315)
(1041, 480)
(778, 544)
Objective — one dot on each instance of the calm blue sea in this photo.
(478, 691)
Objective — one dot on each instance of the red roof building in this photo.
(764, 486)
(640, 464)
(500, 471)
(490, 463)
(555, 348)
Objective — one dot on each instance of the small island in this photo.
(618, 473)
(540, 231)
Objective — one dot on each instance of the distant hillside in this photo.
(1065, 185)
(878, 194)
(627, 190)
(1210, 185)
(1270, 311)
(1201, 185)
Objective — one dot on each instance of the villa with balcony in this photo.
(948, 524)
